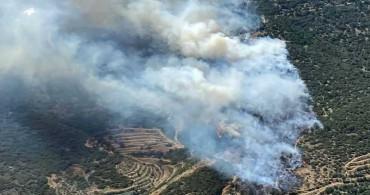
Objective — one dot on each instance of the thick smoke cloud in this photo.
(192, 62)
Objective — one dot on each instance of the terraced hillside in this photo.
(141, 141)
(148, 175)
(151, 173)
(354, 171)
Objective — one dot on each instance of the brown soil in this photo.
(312, 177)
(139, 140)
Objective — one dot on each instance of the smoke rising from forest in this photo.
(192, 62)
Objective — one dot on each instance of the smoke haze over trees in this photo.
(192, 63)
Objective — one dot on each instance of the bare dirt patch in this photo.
(131, 140)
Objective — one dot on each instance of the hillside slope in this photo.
(328, 41)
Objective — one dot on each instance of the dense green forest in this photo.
(39, 137)
(203, 181)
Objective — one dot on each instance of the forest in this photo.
(328, 41)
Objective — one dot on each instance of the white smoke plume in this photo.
(190, 61)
